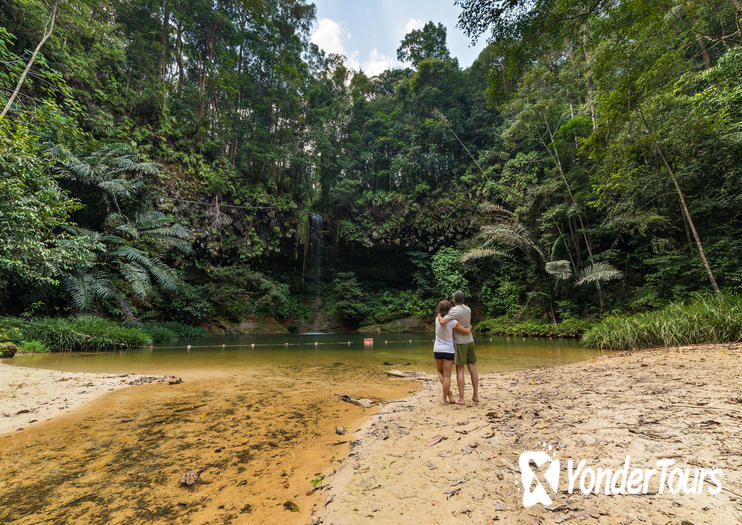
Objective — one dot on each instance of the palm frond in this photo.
(481, 253)
(600, 271)
(510, 234)
(561, 269)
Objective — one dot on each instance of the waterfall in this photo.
(315, 252)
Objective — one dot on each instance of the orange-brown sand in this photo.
(257, 443)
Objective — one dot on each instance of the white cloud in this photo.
(327, 36)
(413, 23)
(376, 63)
(351, 60)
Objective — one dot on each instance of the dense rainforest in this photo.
(170, 160)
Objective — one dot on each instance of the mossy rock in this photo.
(8, 349)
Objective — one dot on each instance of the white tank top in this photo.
(444, 337)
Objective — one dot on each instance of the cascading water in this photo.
(315, 253)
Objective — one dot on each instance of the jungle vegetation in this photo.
(159, 159)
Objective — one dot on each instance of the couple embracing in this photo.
(454, 344)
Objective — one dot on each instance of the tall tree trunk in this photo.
(163, 41)
(48, 28)
(163, 52)
(179, 56)
(590, 82)
(207, 64)
(554, 153)
(738, 17)
(683, 206)
(699, 40)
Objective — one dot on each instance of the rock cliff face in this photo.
(246, 326)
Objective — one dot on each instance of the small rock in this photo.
(290, 505)
(190, 478)
(339, 430)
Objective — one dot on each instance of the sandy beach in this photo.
(419, 462)
(34, 395)
(412, 461)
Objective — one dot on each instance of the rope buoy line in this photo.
(286, 344)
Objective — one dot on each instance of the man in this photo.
(465, 355)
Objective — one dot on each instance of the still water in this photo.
(335, 353)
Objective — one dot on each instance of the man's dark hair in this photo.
(458, 297)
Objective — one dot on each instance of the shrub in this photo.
(346, 299)
(702, 319)
(33, 347)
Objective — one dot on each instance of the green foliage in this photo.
(388, 306)
(238, 293)
(702, 319)
(346, 300)
(37, 246)
(165, 331)
(447, 271)
(532, 328)
(422, 44)
(506, 298)
(33, 347)
(242, 127)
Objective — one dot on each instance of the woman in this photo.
(444, 350)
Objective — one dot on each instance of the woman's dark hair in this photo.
(444, 306)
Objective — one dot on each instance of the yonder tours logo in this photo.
(539, 471)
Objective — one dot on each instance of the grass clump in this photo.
(702, 319)
(532, 328)
(83, 334)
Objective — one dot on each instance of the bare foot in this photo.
(460, 401)
(450, 398)
(475, 400)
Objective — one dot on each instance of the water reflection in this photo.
(338, 353)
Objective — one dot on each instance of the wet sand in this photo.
(32, 395)
(421, 462)
(258, 443)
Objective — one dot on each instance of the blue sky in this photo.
(368, 32)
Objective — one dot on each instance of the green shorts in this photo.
(465, 354)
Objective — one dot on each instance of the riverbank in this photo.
(33, 395)
(421, 462)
